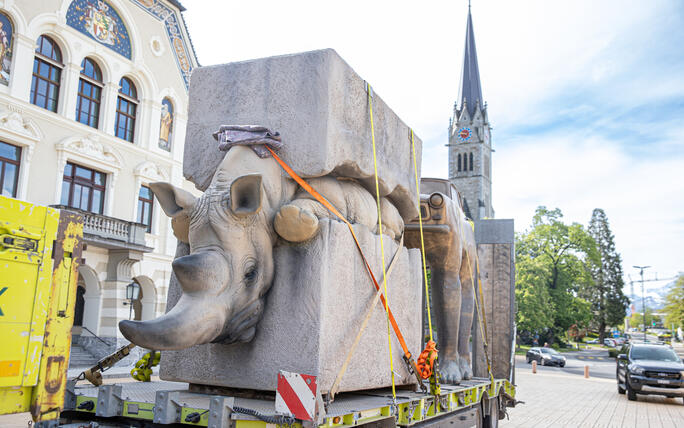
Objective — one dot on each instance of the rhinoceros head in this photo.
(228, 271)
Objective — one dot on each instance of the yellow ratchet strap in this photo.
(382, 245)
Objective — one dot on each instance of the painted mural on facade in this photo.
(167, 15)
(99, 21)
(166, 125)
(6, 33)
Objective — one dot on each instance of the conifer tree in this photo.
(608, 300)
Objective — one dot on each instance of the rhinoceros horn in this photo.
(199, 316)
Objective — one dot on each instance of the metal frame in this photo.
(457, 405)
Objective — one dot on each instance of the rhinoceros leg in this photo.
(296, 221)
(446, 304)
(466, 323)
(468, 276)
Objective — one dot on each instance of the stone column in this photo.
(143, 136)
(22, 66)
(68, 91)
(108, 107)
(119, 275)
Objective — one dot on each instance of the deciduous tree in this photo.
(552, 266)
(674, 304)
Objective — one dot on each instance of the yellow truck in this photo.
(40, 249)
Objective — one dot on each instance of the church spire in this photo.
(470, 90)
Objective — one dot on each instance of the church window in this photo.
(471, 161)
(465, 161)
(10, 157)
(47, 71)
(145, 205)
(459, 162)
(6, 34)
(89, 93)
(83, 188)
(126, 107)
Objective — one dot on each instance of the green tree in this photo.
(552, 266)
(637, 319)
(608, 302)
(674, 304)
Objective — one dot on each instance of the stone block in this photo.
(313, 312)
(320, 107)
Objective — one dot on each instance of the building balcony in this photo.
(111, 233)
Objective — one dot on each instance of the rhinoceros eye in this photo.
(251, 275)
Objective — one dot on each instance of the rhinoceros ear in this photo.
(176, 203)
(245, 194)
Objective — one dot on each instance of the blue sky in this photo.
(586, 98)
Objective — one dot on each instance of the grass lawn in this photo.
(522, 350)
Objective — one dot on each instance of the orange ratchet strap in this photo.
(426, 360)
(407, 355)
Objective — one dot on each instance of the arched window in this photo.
(471, 161)
(47, 70)
(89, 93)
(126, 107)
(465, 161)
(459, 162)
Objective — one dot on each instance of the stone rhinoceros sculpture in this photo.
(231, 230)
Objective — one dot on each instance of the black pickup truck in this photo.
(650, 369)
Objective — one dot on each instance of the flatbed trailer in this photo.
(477, 402)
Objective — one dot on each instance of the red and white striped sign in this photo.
(296, 395)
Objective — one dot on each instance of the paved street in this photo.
(559, 397)
(600, 364)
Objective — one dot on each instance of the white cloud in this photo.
(642, 198)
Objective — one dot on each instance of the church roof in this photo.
(470, 89)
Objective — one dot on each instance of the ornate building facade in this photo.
(93, 101)
(470, 144)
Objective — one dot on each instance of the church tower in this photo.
(470, 147)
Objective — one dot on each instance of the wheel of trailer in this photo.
(490, 419)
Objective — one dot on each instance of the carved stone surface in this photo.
(313, 312)
(320, 107)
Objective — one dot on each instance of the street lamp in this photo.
(643, 300)
(132, 293)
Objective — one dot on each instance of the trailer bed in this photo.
(162, 402)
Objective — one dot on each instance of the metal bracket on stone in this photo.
(52, 423)
(167, 409)
(411, 409)
(220, 409)
(70, 395)
(109, 401)
(369, 89)
(444, 402)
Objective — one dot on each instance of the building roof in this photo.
(470, 89)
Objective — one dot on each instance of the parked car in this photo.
(650, 369)
(609, 342)
(593, 341)
(545, 357)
